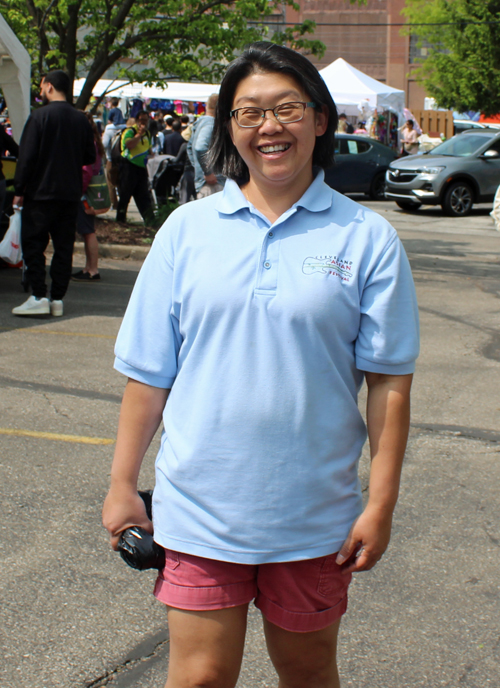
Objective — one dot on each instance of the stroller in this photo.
(166, 179)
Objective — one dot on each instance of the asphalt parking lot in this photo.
(74, 616)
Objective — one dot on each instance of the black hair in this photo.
(141, 112)
(185, 119)
(267, 57)
(169, 121)
(59, 80)
(176, 125)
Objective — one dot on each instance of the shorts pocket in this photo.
(329, 575)
(171, 559)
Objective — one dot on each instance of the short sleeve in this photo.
(127, 134)
(148, 342)
(388, 338)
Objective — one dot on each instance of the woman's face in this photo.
(277, 155)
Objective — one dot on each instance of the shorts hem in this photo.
(300, 622)
(219, 596)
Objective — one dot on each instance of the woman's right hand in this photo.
(122, 509)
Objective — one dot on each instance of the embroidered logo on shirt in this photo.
(328, 265)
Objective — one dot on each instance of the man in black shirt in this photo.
(174, 141)
(57, 141)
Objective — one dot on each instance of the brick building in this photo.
(368, 37)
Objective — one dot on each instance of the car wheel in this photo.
(377, 189)
(408, 206)
(458, 199)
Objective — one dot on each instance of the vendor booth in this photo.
(361, 96)
(15, 75)
(175, 96)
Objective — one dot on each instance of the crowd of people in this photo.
(62, 151)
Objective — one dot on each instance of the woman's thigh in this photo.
(304, 659)
(206, 648)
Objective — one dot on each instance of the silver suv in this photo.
(456, 174)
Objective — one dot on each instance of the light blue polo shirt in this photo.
(262, 331)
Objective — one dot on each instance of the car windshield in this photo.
(462, 145)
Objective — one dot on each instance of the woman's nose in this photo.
(270, 123)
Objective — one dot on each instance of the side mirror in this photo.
(490, 154)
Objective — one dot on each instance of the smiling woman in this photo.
(257, 316)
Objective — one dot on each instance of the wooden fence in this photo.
(435, 122)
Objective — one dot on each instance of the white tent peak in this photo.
(350, 86)
(15, 74)
(356, 78)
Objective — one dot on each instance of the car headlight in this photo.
(431, 170)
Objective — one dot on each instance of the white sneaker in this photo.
(56, 307)
(33, 306)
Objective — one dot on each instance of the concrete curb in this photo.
(117, 251)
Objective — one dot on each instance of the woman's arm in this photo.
(140, 416)
(388, 421)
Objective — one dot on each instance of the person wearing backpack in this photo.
(85, 222)
(111, 140)
(133, 180)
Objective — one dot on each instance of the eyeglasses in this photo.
(286, 113)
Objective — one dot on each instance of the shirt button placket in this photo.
(269, 257)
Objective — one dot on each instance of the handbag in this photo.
(10, 246)
(97, 195)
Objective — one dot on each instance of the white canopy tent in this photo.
(15, 76)
(350, 88)
(173, 90)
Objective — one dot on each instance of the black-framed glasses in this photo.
(286, 113)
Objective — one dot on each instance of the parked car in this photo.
(360, 165)
(461, 125)
(456, 174)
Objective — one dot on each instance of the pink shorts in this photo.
(298, 596)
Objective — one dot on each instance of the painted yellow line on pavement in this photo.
(55, 436)
(30, 330)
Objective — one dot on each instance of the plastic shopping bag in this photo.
(10, 246)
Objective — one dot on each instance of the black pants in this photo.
(41, 220)
(133, 183)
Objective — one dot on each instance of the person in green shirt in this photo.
(133, 182)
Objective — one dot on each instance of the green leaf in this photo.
(462, 71)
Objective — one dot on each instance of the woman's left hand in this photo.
(367, 541)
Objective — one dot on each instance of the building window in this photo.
(419, 49)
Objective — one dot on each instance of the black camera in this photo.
(137, 547)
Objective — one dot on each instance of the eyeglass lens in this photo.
(286, 113)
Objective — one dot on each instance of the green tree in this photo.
(462, 70)
(186, 39)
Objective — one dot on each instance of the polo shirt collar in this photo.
(318, 197)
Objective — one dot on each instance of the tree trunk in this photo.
(71, 44)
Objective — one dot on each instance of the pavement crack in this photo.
(481, 434)
(58, 389)
(144, 651)
(491, 350)
(54, 407)
(494, 540)
(467, 669)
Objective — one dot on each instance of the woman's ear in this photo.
(321, 120)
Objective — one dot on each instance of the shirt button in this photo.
(267, 265)
(271, 234)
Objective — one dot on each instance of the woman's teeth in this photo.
(275, 149)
